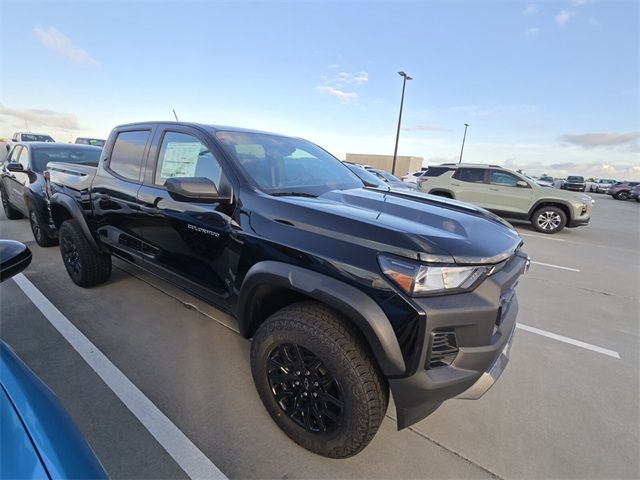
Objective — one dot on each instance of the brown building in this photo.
(404, 164)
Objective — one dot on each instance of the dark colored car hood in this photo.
(410, 224)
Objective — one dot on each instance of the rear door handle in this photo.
(455, 184)
(494, 189)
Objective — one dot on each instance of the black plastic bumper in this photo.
(578, 222)
(483, 322)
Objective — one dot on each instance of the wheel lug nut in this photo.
(297, 372)
(316, 384)
(307, 373)
(315, 394)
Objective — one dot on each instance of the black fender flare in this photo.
(71, 206)
(565, 204)
(435, 191)
(355, 305)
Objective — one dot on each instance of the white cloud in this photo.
(564, 16)
(55, 40)
(336, 92)
(532, 32)
(530, 10)
(41, 118)
(350, 78)
(339, 83)
(580, 3)
(592, 140)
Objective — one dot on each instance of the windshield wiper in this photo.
(293, 194)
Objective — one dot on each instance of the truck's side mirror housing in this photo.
(522, 184)
(15, 167)
(193, 189)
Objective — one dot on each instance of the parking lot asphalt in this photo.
(562, 409)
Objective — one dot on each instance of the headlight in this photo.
(419, 279)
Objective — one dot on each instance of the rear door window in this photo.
(128, 152)
(435, 171)
(471, 175)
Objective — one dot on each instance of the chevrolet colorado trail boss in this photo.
(348, 291)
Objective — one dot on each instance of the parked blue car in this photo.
(38, 438)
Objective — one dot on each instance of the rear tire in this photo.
(86, 266)
(39, 233)
(549, 220)
(317, 380)
(9, 211)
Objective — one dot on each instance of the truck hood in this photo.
(411, 224)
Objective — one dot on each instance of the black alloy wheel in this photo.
(86, 265)
(317, 380)
(71, 257)
(42, 238)
(35, 226)
(304, 389)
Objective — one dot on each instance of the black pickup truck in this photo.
(348, 291)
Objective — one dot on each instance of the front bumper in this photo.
(578, 222)
(483, 322)
(490, 377)
(575, 188)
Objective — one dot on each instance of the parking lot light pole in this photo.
(395, 151)
(466, 125)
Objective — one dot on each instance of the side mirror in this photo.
(8, 147)
(522, 184)
(14, 258)
(193, 189)
(15, 167)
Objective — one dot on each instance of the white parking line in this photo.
(540, 236)
(571, 341)
(194, 463)
(555, 266)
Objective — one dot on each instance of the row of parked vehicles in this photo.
(351, 290)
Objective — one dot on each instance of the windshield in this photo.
(575, 179)
(34, 137)
(387, 176)
(366, 176)
(86, 156)
(284, 165)
(546, 179)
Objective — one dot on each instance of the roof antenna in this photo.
(174, 114)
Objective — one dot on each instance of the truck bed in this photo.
(64, 177)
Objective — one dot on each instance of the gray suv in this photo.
(508, 194)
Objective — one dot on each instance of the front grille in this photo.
(443, 349)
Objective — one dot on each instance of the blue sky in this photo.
(546, 86)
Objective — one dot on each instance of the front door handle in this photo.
(494, 189)
(455, 184)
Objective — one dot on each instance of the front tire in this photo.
(317, 380)
(549, 220)
(86, 266)
(621, 195)
(9, 211)
(39, 233)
